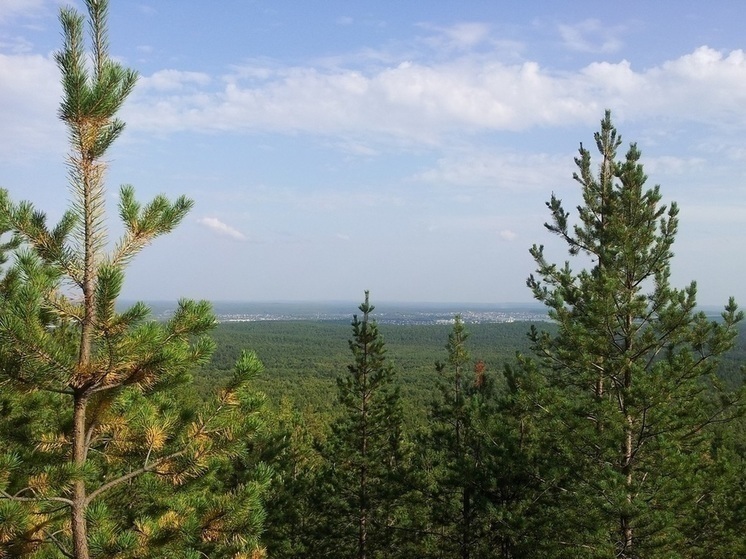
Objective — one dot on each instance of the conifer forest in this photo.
(613, 429)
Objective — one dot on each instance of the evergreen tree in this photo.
(364, 451)
(105, 460)
(627, 378)
(459, 486)
(715, 528)
(293, 525)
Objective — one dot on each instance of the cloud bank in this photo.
(457, 80)
(422, 102)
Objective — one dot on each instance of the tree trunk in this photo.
(362, 545)
(626, 531)
(79, 526)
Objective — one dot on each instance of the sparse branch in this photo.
(35, 499)
(131, 475)
(52, 536)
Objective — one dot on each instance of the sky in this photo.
(406, 148)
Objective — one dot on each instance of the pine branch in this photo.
(202, 430)
(36, 499)
(133, 474)
(62, 549)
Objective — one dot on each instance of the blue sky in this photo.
(406, 148)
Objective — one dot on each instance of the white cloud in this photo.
(461, 36)
(705, 83)
(671, 165)
(173, 80)
(591, 35)
(468, 34)
(29, 96)
(16, 45)
(470, 37)
(146, 9)
(10, 9)
(221, 228)
(327, 201)
(371, 104)
(510, 171)
(422, 102)
(413, 102)
(357, 148)
(483, 225)
(714, 215)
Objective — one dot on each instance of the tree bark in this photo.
(79, 506)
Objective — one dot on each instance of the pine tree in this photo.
(364, 450)
(628, 377)
(457, 453)
(715, 528)
(296, 493)
(107, 461)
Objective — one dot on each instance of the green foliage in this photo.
(455, 456)
(625, 383)
(302, 356)
(104, 454)
(364, 462)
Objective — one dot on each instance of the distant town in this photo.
(385, 313)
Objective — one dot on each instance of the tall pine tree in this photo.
(629, 375)
(459, 489)
(364, 450)
(106, 462)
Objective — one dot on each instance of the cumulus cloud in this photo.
(221, 228)
(508, 235)
(410, 101)
(371, 101)
(422, 102)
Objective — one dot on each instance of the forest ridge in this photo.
(615, 430)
